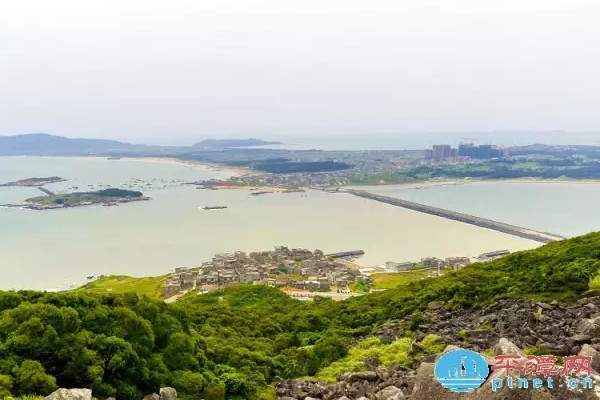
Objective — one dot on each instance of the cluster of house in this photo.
(429, 262)
(299, 269)
(455, 263)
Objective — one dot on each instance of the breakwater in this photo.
(48, 192)
(542, 237)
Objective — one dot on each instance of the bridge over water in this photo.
(543, 237)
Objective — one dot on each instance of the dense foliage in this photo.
(301, 166)
(232, 343)
(504, 168)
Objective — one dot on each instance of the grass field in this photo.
(150, 286)
(393, 280)
(23, 398)
(595, 283)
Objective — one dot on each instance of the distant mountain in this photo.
(44, 144)
(229, 143)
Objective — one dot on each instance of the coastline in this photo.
(256, 190)
(234, 171)
(466, 181)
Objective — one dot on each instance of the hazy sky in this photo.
(180, 70)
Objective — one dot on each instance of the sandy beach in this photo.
(234, 171)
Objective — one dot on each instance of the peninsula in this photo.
(35, 181)
(107, 197)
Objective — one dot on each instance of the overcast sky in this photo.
(173, 71)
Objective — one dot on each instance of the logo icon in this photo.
(461, 371)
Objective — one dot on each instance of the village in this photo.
(301, 273)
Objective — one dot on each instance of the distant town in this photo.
(301, 273)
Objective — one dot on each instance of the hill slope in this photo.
(233, 343)
(44, 144)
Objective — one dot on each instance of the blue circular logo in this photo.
(461, 371)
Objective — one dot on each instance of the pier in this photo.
(48, 192)
(531, 234)
(353, 253)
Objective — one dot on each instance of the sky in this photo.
(174, 72)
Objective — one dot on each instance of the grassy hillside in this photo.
(233, 343)
(149, 286)
(393, 280)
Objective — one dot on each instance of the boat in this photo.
(113, 158)
(213, 207)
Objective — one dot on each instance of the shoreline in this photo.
(255, 190)
(234, 171)
(466, 181)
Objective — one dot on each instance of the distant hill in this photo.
(44, 144)
(229, 143)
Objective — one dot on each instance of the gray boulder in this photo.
(589, 351)
(70, 394)
(505, 346)
(390, 393)
(428, 388)
(589, 327)
(152, 396)
(168, 393)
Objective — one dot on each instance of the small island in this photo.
(106, 197)
(35, 181)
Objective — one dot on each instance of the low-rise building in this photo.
(429, 262)
(395, 266)
(457, 262)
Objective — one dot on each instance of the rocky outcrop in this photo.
(549, 326)
(70, 394)
(382, 384)
(395, 383)
(168, 393)
(86, 394)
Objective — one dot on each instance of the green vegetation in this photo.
(35, 181)
(511, 168)
(359, 287)
(149, 286)
(82, 198)
(233, 343)
(531, 166)
(396, 352)
(432, 345)
(388, 354)
(24, 398)
(595, 283)
(287, 167)
(394, 280)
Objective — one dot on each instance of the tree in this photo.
(31, 378)
(6, 384)
(179, 354)
(189, 383)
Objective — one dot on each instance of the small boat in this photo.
(213, 207)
